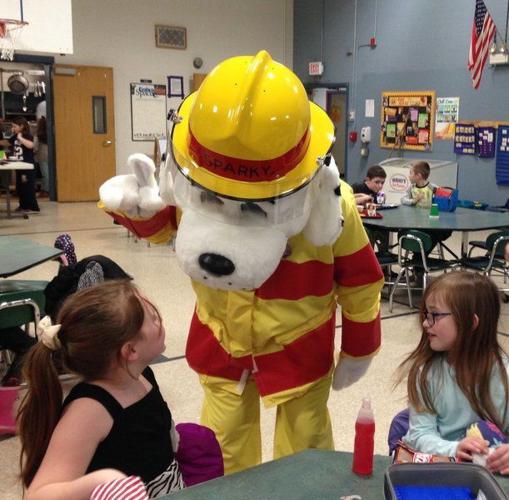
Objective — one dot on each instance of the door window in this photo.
(99, 114)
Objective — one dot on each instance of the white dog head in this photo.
(235, 245)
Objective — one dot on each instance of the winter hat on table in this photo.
(64, 243)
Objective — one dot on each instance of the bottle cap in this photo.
(366, 403)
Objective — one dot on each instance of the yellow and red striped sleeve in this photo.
(359, 279)
(156, 229)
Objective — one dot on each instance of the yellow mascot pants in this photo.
(301, 423)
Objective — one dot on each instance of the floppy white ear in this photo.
(324, 224)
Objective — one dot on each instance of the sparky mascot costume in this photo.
(272, 241)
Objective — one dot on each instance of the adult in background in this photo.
(41, 154)
(21, 144)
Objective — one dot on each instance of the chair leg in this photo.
(424, 281)
(394, 286)
(409, 289)
(441, 251)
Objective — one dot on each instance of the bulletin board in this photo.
(407, 120)
(148, 111)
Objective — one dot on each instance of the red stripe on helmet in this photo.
(248, 170)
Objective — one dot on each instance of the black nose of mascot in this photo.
(216, 264)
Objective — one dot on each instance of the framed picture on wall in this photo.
(407, 120)
(176, 86)
(171, 37)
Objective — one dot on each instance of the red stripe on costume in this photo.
(248, 170)
(361, 339)
(305, 360)
(148, 227)
(207, 356)
(301, 362)
(357, 269)
(293, 281)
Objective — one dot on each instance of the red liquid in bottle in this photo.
(364, 441)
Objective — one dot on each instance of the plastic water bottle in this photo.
(364, 440)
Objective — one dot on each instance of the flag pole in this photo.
(506, 21)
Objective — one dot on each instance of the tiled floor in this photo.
(157, 273)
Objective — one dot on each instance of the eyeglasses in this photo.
(431, 317)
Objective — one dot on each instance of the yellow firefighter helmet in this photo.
(250, 131)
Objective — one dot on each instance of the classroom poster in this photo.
(464, 139)
(407, 120)
(148, 111)
(486, 137)
(447, 116)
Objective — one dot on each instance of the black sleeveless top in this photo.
(139, 442)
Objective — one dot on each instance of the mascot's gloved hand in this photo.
(136, 193)
(348, 371)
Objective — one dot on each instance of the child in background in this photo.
(367, 192)
(420, 192)
(113, 423)
(458, 374)
(22, 149)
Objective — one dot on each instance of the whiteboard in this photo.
(148, 111)
(49, 26)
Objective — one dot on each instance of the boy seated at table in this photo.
(366, 192)
(420, 194)
(420, 191)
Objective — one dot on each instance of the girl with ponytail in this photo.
(115, 422)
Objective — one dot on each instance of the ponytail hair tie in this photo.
(48, 333)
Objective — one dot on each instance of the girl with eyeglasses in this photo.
(458, 374)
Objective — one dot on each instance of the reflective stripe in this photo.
(300, 362)
(361, 339)
(295, 281)
(206, 355)
(357, 269)
(305, 360)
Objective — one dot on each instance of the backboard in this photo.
(49, 28)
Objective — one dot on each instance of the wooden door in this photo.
(336, 109)
(197, 80)
(84, 130)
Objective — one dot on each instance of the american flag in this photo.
(483, 31)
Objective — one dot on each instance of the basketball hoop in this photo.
(10, 29)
